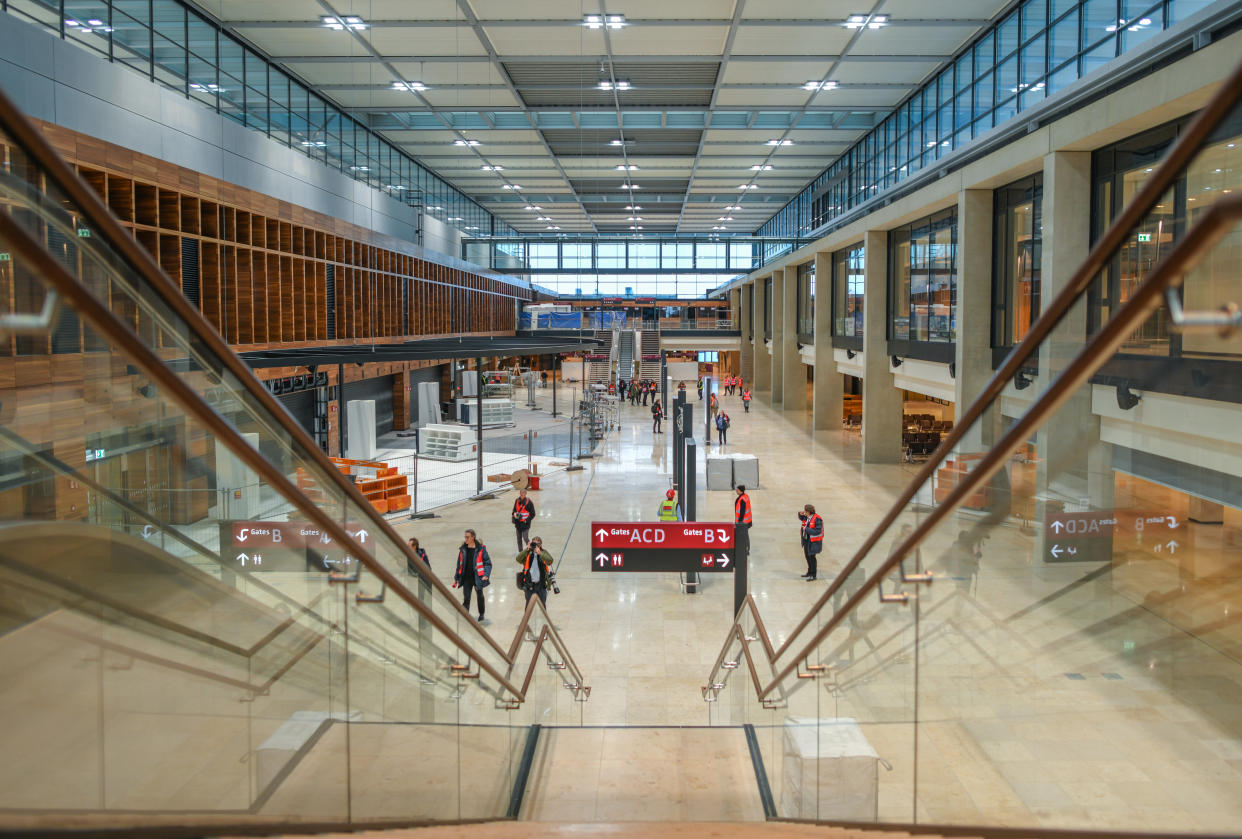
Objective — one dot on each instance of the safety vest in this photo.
(811, 523)
(746, 396)
(668, 510)
(521, 511)
(738, 515)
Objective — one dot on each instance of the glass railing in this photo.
(202, 620)
(1043, 631)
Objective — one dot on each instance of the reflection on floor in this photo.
(642, 774)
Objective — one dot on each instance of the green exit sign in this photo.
(1144, 238)
(84, 233)
(4, 257)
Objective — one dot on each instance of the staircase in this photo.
(600, 372)
(748, 367)
(649, 355)
(625, 355)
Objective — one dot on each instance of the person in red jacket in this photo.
(812, 538)
(474, 570)
(523, 515)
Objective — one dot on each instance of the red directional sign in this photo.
(662, 546)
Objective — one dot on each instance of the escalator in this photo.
(187, 638)
(1039, 634)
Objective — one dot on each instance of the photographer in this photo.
(536, 575)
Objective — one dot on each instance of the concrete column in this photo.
(1074, 466)
(778, 333)
(793, 371)
(747, 336)
(881, 423)
(762, 361)
(829, 384)
(973, 357)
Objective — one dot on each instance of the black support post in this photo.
(478, 420)
(690, 502)
(741, 566)
(340, 410)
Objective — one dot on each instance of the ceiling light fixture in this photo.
(314, 144)
(636, 227)
(816, 84)
(544, 218)
(761, 167)
(621, 84)
(489, 168)
(471, 143)
(869, 21)
(626, 167)
(598, 21)
(635, 218)
(725, 218)
(512, 186)
(776, 142)
(747, 186)
(409, 87)
(629, 186)
(339, 24)
(207, 88)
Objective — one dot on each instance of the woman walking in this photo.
(474, 570)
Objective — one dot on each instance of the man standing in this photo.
(812, 538)
(657, 414)
(523, 515)
(741, 508)
(722, 427)
(474, 570)
(536, 570)
(746, 400)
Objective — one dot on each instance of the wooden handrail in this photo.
(1144, 300)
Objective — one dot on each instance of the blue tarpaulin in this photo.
(551, 320)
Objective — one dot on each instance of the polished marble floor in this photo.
(1045, 694)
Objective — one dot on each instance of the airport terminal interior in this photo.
(420, 417)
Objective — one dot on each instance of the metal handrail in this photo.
(88, 203)
(1143, 301)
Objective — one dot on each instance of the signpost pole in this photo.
(690, 505)
(741, 566)
(340, 410)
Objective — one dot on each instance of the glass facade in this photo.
(806, 301)
(922, 275)
(1120, 171)
(175, 46)
(848, 268)
(1038, 48)
(1017, 228)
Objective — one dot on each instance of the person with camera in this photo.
(474, 570)
(536, 576)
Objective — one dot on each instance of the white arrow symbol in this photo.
(242, 558)
(243, 534)
(1071, 550)
(723, 560)
(724, 535)
(361, 536)
(1172, 546)
(602, 559)
(147, 531)
(1056, 526)
(602, 534)
(325, 538)
(1055, 551)
(1172, 522)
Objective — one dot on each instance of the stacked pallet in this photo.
(382, 485)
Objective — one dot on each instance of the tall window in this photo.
(767, 308)
(1119, 172)
(806, 300)
(1018, 235)
(923, 284)
(848, 266)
